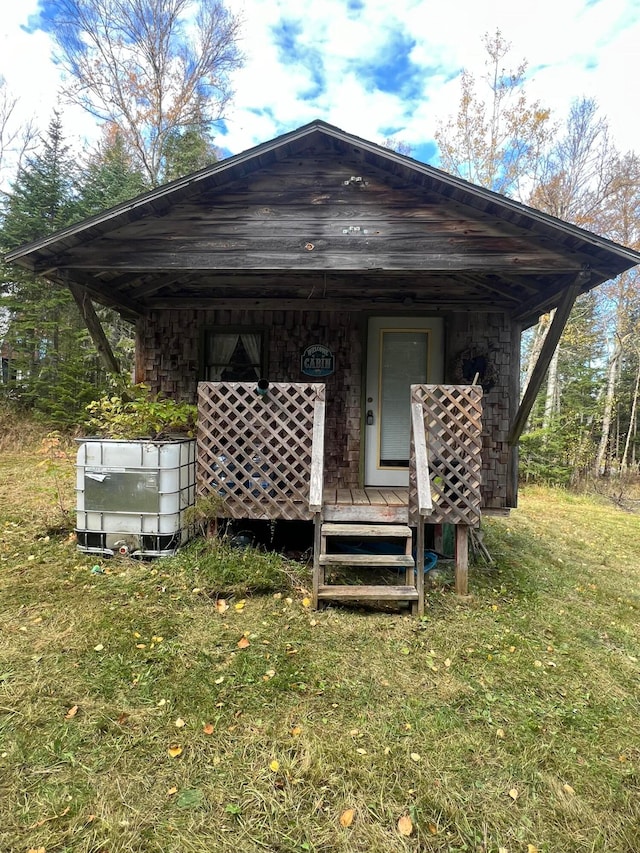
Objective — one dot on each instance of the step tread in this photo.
(382, 530)
(366, 560)
(380, 593)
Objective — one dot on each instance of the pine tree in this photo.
(52, 369)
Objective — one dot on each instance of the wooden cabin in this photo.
(380, 300)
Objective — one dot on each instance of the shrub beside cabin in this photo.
(345, 274)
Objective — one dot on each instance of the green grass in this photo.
(532, 687)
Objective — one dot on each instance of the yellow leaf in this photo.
(36, 850)
(274, 765)
(240, 604)
(433, 829)
(568, 790)
(502, 850)
(347, 816)
(500, 733)
(179, 723)
(513, 793)
(174, 750)
(296, 730)
(141, 645)
(243, 643)
(361, 751)
(221, 605)
(98, 648)
(447, 662)
(172, 791)
(306, 602)
(415, 756)
(71, 712)
(219, 680)
(208, 728)
(405, 825)
(531, 848)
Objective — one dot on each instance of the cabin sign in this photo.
(317, 360)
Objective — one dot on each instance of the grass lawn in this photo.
(138, 714)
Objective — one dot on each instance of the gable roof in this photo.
(537, 258)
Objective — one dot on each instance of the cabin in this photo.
(349, 321)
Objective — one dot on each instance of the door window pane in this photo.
(403, 362)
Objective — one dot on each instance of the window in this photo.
(234, 355)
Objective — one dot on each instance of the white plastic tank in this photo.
(132, 495)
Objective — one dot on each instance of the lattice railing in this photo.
(255, 451)
(452, 420)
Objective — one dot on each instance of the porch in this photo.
(261, 451)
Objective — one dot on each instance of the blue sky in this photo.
(380, 69)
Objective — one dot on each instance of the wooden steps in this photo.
(372, 593)
(327, 552)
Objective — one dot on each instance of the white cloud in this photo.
(575, 47)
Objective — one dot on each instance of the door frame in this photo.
(372, 474)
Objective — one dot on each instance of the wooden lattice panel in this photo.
(452, 420)
(255, 451)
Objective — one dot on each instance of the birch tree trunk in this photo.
(612, 375)
(624, 464)
(552, 399)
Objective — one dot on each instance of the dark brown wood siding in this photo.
(170, 361)
(171, 364)
(495, 337)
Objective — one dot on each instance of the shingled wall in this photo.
(169, 360)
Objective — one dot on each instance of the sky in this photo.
(377, 68)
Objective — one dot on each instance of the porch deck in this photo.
(375, 505)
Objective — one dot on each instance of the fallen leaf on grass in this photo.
(513, 793)
(240, 604)
(415, 756)
(405, 825)
(122, 719)
(274, 766)
(179, 723)
(568, 790)
(347, 816)
(500, 733)
(208, 728)
(36, 850)
(296, 730)
(243, 643)
(306, 602)
(531, 848)
(98, 648)
(221, 605)
(433, 829)
(174, 750)
(73, 710)
(172, 791)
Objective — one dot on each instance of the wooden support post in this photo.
(317, 568)
(420, 567)
(462, 559)
(92, 322)
(139, 370)
(544, 359)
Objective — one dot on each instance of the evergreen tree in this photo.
(51, 366)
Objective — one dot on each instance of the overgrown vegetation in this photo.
(134, 412)
(197, 704)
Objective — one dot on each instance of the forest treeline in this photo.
(157, 122)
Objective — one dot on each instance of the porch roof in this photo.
(317, 219)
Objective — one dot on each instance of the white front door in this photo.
(401, 351)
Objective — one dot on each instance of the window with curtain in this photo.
(234, 356)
